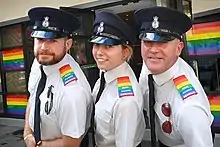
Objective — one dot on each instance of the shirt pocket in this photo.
(162, 118)
(103, 122)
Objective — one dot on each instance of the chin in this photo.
(155, 69)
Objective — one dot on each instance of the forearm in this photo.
(64, 141)
(27, 128)
(52, 143)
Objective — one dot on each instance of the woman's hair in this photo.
(130, 50)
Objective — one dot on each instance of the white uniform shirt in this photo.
(119, 114)
(72, 101)
(190, 110)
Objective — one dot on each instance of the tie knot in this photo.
(41, 68)
(103, 76)
(150, 76)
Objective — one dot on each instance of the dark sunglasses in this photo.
(48, 106)
(167, 125)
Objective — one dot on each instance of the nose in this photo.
(153, 48)
(45, 45)
(100, 49)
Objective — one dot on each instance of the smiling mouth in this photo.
(154, 58)
(101, 60)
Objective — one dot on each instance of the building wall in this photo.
(204, 5)
(13, 9)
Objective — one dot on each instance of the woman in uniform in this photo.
(119, 119)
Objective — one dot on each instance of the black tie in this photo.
(101, 88)
(151, 107)
(40, 89)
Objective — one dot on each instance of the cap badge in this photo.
(101, 27)
(46, 23)
(155, 23)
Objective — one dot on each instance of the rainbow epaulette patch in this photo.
(184, 87)
(124, 87)
(67, 74)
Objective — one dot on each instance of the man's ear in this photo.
(68, 44)
(180, 47)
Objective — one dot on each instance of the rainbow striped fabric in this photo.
(13, 59)
(124, 87)
(67, 74)
(215, 109)
(204, 38)
(184, 87)
(16, 104)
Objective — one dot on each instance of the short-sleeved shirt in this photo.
(72, 102)
(119, 116)
(189, 105)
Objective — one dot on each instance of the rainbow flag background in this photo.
(215, 109)
(124, 87)
(204, 39)
(16, 104)
(13, 59)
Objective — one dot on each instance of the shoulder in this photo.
(70, 80)
(144, 73)
(67, 75)
(124, 87)
(34, 76)
(129, 92)
(186, 84)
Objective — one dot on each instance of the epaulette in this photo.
(184, 87)
(124, 87)
(67, 74)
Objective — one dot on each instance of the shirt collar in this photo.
(54, 68)
(116, 72)
(162, 78)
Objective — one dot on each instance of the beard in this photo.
(53, 58)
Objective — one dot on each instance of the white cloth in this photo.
(190, 116)
(72, 103)
(119, 120)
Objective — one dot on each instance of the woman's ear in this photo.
(68, 44)
(126, 52)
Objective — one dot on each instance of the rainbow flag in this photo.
(215, 109)
(13, 59)
(204, 38)
(67, 74)
(16, 104)
(124, 87)
(184, 87)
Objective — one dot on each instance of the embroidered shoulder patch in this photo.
(124, 87)
(67, 74)
(184, 87)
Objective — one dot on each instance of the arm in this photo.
(125, 119)
(64, 141)
(72, 118)
(195, 127)
(28, 133)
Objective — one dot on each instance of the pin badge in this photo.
(49, 104)
(155, 23)
(101, 27)
(46, 22)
